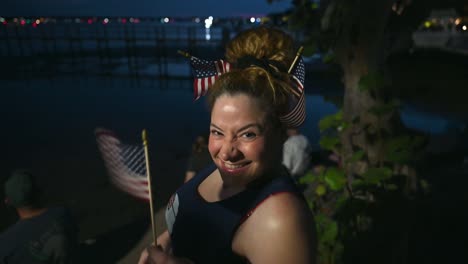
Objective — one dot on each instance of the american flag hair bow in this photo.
(125, 164)
(206, 73)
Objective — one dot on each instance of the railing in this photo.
(139, 50)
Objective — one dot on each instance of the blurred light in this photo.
(34, 25)
(197, 20)
(258, 20)
(131, 20)
(77, 20)
(38, 21)
(166, 20)
(464, 27)
(208, 23)
(136, 20)
(2, 20)
(90, 21)
(106, 20)
(457, 21)
(315, 6)
(23, 22)
(124, 20)
(207, 33)
(252, 20)
(28, 21)
(427, 24)
(15, 20)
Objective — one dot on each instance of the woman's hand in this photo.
(156, 255)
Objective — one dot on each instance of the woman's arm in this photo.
(281, 230)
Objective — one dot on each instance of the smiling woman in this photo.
(245, 207)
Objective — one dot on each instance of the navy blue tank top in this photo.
(203, 231)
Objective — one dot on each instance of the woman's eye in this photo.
(249, 135)
(215, 133)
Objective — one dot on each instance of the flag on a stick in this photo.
(205, 73)
(126, 164)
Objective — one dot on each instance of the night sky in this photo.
(216, 8)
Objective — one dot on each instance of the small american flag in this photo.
(298, 74)
(206, 72)
(126, 164)
(297, 112)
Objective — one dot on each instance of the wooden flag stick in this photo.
(148, 176)
(298, 54)
(184, 53)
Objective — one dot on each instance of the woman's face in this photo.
(240, 143)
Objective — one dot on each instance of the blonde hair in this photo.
(269, 81)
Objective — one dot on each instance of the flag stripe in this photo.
(125, 164)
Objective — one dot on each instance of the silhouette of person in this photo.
(199, 159)
(42, 234)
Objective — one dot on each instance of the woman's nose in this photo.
(229, 150)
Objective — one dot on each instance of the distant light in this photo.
(38, 21)
(464, 27)
(427, 24)
(207, 33)
(258, 20)
(106, 20)
(252, 20)
(34, 25)
(131, 20)
(166, 20)
(136, 20)
(77, 20)
(197, 20)
(457, 21)
(23, 22)
(15, 20)
(2, 20)
(208, 23)
(90, 21)
(210, 18)
(124, 20)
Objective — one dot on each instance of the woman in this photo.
(246, 208)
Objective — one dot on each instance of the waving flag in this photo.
(206, 72)
(126, 164)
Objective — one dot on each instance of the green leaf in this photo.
(308, 178)
(371, 81)
(310, 48)
(392, 187)
(357, 156)
(330, 232)
(335, 178)
(357, 183)
(331, 121)
(376, 175)
(328, 142)
(320, 190)
(329, 57)
(399, 149)
(382, 109)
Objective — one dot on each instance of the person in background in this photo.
(245, 208)
(41, 235)
(199, 159)
(296, 153)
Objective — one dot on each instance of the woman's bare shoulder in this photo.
(280, 230)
